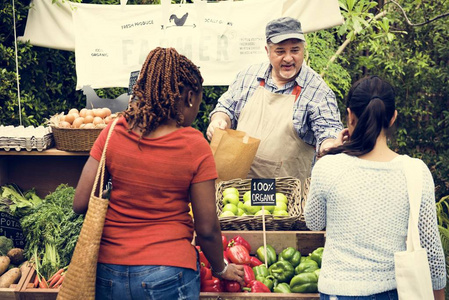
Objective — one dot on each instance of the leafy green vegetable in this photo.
(13, 202)
(6, 244)
(51, 230)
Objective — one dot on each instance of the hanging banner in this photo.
(112, 41)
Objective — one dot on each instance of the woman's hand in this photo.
(342, 137)
(234, 273)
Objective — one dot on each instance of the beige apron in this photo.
(269, 117)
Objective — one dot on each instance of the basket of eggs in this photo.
(78, 129)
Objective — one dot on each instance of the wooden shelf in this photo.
(47, 152)
(42, 170)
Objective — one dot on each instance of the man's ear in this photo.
(268, 50)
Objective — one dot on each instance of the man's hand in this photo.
(216, 122)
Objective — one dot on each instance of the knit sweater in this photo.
(364, 207)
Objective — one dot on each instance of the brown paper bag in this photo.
(234, 152)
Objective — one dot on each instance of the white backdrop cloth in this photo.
(111, 41)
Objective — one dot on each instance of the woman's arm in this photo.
(208, 231)
(85, 184)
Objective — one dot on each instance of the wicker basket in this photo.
(289, 186)
(300, 224)
(71, 139)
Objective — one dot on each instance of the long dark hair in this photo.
(158, 89)
(371, 99)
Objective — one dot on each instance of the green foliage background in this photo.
(415, 59)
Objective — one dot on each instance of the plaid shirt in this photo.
(316, 116)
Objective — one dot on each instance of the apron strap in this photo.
(296, 90)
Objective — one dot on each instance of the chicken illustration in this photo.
(93, 100)
(179, 21)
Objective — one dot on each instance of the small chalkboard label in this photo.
(10, 227)
(132, 81)
(263, 191)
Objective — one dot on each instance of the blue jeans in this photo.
(146, 282)
(389, 295)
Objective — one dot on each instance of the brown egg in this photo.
(88, 119)
(98, 120)
(107, 119)
(108, 111)
(70, 118)
(77, 123)
(89, 125)
(64, 124)
(90, 112)
(74, 111)
(99, 112)
(83, 112)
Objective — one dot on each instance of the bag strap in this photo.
(102, 165)
(413, 174)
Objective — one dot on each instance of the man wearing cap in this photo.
(284, 103)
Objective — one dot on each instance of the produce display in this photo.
(50, 227)
(286, 272)
(233, 206)
(84, 118)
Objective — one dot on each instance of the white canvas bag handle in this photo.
(413, 173)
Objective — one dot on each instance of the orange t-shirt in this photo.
(148, 221)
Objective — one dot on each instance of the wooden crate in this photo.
(304, 241)
(12, 293)
(258, 296)
(28, 292)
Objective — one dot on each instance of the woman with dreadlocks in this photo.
(158, 164)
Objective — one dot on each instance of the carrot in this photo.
(54, 280)
(57, 284)
(36, 281)
(43, 284)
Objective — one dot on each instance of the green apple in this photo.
(231, 198)
(280, 213)
(230, 190)
(280, 206)
(260, 212)
(240, 212)
(230, 207)
(227, 214)
(281, 197)
(247, 196)
(251, 209)
(241, 205)
(270, 208)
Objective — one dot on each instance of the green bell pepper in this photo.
(304, 283)
(291, 255)
(269, 281)
(307, 266)
(317, 273)
(263, 275)
(261, 270)
(317, 255)
(305, 258)
(283, 271)
(271, 255)
(282, 287)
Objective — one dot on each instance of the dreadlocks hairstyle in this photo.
(163, 77)
(371, 99)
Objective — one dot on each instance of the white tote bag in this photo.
(412, 266)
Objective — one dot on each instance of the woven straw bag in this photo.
(79, 282)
